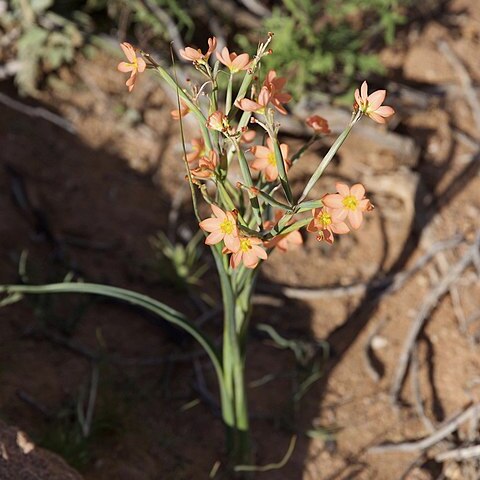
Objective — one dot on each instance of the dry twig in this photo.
(459, 454)
(38, 112)
(426, 309)
(446, 429)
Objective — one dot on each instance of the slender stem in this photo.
(328, 157)
(282, 171)
(228, 99)
(247, 178)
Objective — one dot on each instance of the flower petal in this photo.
(355, 218)
(385, 111)
(218, 212)
(376, 99)
(358, 191)
(333, 200)
(340, 228)
(129, 51)
(125, 67)
(376, 118)
(210, 224)
(342, 189)
(214, 237)
(141, 64)
(364, 91)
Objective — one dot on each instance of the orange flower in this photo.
(258, 106)
(137, 65)
(221, 226)
(206, 165)
(265, 159)
(319, 124)
(275, 86)
(371, 105)
(193, 55)
(177, 114)
(289, 241)
(249, 252)
(218, 121)
(248, 136)
(349, 202)
(234, 62)
(198, 146)
(325, 223)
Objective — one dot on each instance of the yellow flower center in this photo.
(350, 202)
(245, 245)
(271, 159)
(325, 219)
(227, 227)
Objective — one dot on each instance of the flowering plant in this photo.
(240, 169)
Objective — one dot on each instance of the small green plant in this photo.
(178, 264)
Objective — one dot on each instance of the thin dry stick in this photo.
(449, 427)
(38, 112)
(426, 309)
(427, 423)
(459, 454)
(395, 281)
(465, 79)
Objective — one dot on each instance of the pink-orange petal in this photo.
(218, 212)
(241, 61)
(376, 99)
(248, 105)
(210, 224)
(358, 191)
(232, 243)
(214, 238)
(355, 217)
(364, 91)
(236, 259)
(333, 200)
(376, 118)
(141, 64)
(385, 111)
(128, 50)
(340, 228)
(125, 67)
(358, 99)
(342, 189)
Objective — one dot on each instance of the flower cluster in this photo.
(222, 226)
(245, 227)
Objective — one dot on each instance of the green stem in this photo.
(228, 99)
(247, 178)
(282, 171)
(328, 157)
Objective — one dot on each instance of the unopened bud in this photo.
(271, 34)
(269, 51)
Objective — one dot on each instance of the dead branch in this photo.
(427, 423)
(459, 454)
(426, 309)
(37, 112)
(448, 427)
